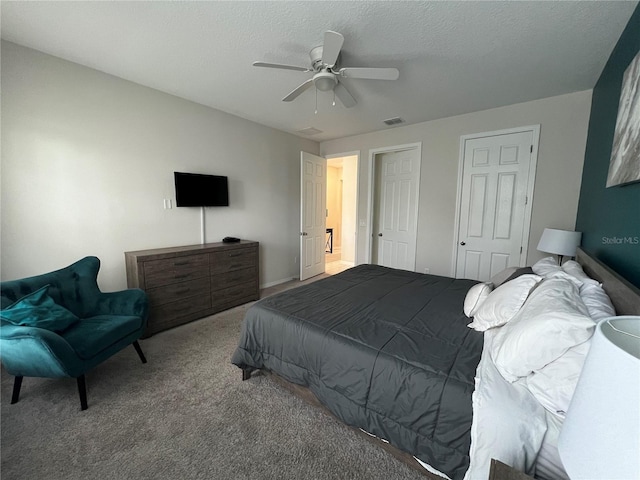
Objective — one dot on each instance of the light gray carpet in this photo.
(184, 415)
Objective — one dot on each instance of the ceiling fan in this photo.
(326, 73)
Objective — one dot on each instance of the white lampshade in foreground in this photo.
(600, 438)
(559, 242)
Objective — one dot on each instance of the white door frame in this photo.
(355, 153)
(372, 165)
(535, 129)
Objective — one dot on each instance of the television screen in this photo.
(196, 190)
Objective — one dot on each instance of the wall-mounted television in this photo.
(197, 190)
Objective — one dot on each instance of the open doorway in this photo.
(342, 206)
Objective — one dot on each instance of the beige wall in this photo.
(87, 159)
(563, 120)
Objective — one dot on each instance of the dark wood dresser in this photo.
(191, 282)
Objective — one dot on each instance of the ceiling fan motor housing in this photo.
(316, 59)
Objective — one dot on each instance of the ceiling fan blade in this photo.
(299, 89)
(331, 48)
(343, 94)
(370, 73)
(279, 65)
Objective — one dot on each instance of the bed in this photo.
(389, 352)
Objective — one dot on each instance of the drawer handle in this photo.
(181, 264)
(235, 254)
(184, 275)
(183, 291)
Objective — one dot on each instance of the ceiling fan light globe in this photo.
(324, 81)
(324, 84)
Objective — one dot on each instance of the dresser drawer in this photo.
(236, 259)
(165, 314)
(176, 291)
(235, 277)
(172, 270)
(232, 295)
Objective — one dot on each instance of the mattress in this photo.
(385, 350)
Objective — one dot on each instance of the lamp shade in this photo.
(600, 437)
(559, 242)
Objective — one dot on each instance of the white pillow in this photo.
(594, 297)
(549, 268)
(553, 385)
(475, 296)
(552, 320)
(574, 269)
(546, 267)
(562, 274)
(597, 302)
(503, 303)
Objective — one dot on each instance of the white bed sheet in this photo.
(548, 464)
(508, 422)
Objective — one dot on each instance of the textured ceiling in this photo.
(453, 57)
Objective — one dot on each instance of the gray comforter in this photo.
(385, 350)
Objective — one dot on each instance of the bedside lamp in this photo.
(600, 437)
(559, 242)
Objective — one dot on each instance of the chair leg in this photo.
(136, 345)
(82, 390)
(17, 383)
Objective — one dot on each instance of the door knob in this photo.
(463, 243)
(379, 234)
(303, 234)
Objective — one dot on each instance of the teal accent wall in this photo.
(610, 217)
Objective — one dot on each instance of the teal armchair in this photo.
(50, 341)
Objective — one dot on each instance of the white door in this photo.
(397, 179)
(313, 199)
(494, 206)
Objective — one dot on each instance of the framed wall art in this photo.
(624, 166)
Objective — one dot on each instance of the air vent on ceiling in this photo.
(309, 131)
(393, 121)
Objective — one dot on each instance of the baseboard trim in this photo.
(277, 282)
